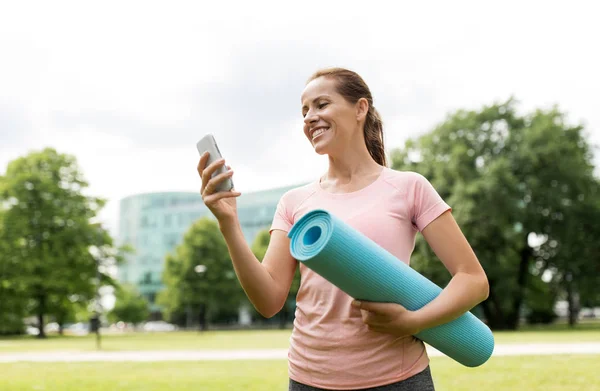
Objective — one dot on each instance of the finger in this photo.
(210, 170)
(220, 195)
(365, 315)
(367, 305)
(370, 318)
(201, 167)
(375, 307)
(214, 182)
(202, 162)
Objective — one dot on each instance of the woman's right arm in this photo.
(266, 284)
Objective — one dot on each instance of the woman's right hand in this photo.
(221, 204)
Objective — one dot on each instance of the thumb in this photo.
(370, 306)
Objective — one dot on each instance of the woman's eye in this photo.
(322, 105)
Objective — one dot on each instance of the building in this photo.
(155, 223)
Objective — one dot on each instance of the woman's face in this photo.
(330, 121)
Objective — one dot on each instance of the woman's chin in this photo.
(320, 149)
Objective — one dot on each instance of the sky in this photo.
(128, 88)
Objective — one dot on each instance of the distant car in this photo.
(30, 330)
(159, 325)
(77, 329)
(52, 327)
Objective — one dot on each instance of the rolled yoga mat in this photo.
(366, 271)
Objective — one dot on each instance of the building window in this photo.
(170, 240)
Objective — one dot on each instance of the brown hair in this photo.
(352, 87)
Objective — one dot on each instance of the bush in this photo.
(541, 316)
(11, 324)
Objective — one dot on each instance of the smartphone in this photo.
(208, 143)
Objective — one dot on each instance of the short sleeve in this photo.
(427, 203)
(282, 219)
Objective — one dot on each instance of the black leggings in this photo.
(420, 382)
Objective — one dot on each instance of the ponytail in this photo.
(374, 136)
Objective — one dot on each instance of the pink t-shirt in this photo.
(330, 346)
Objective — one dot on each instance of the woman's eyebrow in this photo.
(316, 99)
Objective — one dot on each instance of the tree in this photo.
(64, 310)
(12, 299)
(56, 249)
(510, 178)
(540, 297)
(199, 276)
(259, 248)
(574, 261)
(130, 306)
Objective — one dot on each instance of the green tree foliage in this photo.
(130, 306)
(510, 178)
(199, 278)
(53, 250)
(575, 260)
(12, 298)
(259, 248)
(64, 309)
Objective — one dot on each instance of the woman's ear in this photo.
(362, 108)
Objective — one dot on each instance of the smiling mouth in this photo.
(319, 132)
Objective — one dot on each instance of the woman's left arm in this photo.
(467, 288)
(469, 284)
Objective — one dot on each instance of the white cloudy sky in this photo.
(129, 87)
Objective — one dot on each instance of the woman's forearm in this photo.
(463, 292)
(260, 287)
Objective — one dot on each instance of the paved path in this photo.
(274, 354)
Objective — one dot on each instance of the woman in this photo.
(339, 343)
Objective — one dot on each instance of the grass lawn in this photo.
(539, 373)
(584, 332)
(255, 339)
(190, 340)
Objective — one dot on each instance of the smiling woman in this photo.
(347, 93)
(338, 343)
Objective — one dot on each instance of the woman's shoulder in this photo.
(402, 179)
(298, 194)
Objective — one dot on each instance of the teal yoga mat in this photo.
(366, 271)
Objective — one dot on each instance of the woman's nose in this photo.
(310, 118)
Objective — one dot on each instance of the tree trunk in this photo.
(202, 317)
(525, 257)
(61, 328)
(495, 316)
(573, 301)
(40, 315)
(491, 310)
(188, 317)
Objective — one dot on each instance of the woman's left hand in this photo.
(389, 318)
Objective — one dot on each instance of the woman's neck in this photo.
(350, 170)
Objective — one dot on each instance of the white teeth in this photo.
(318, 132)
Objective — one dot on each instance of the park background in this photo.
(101, 218)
